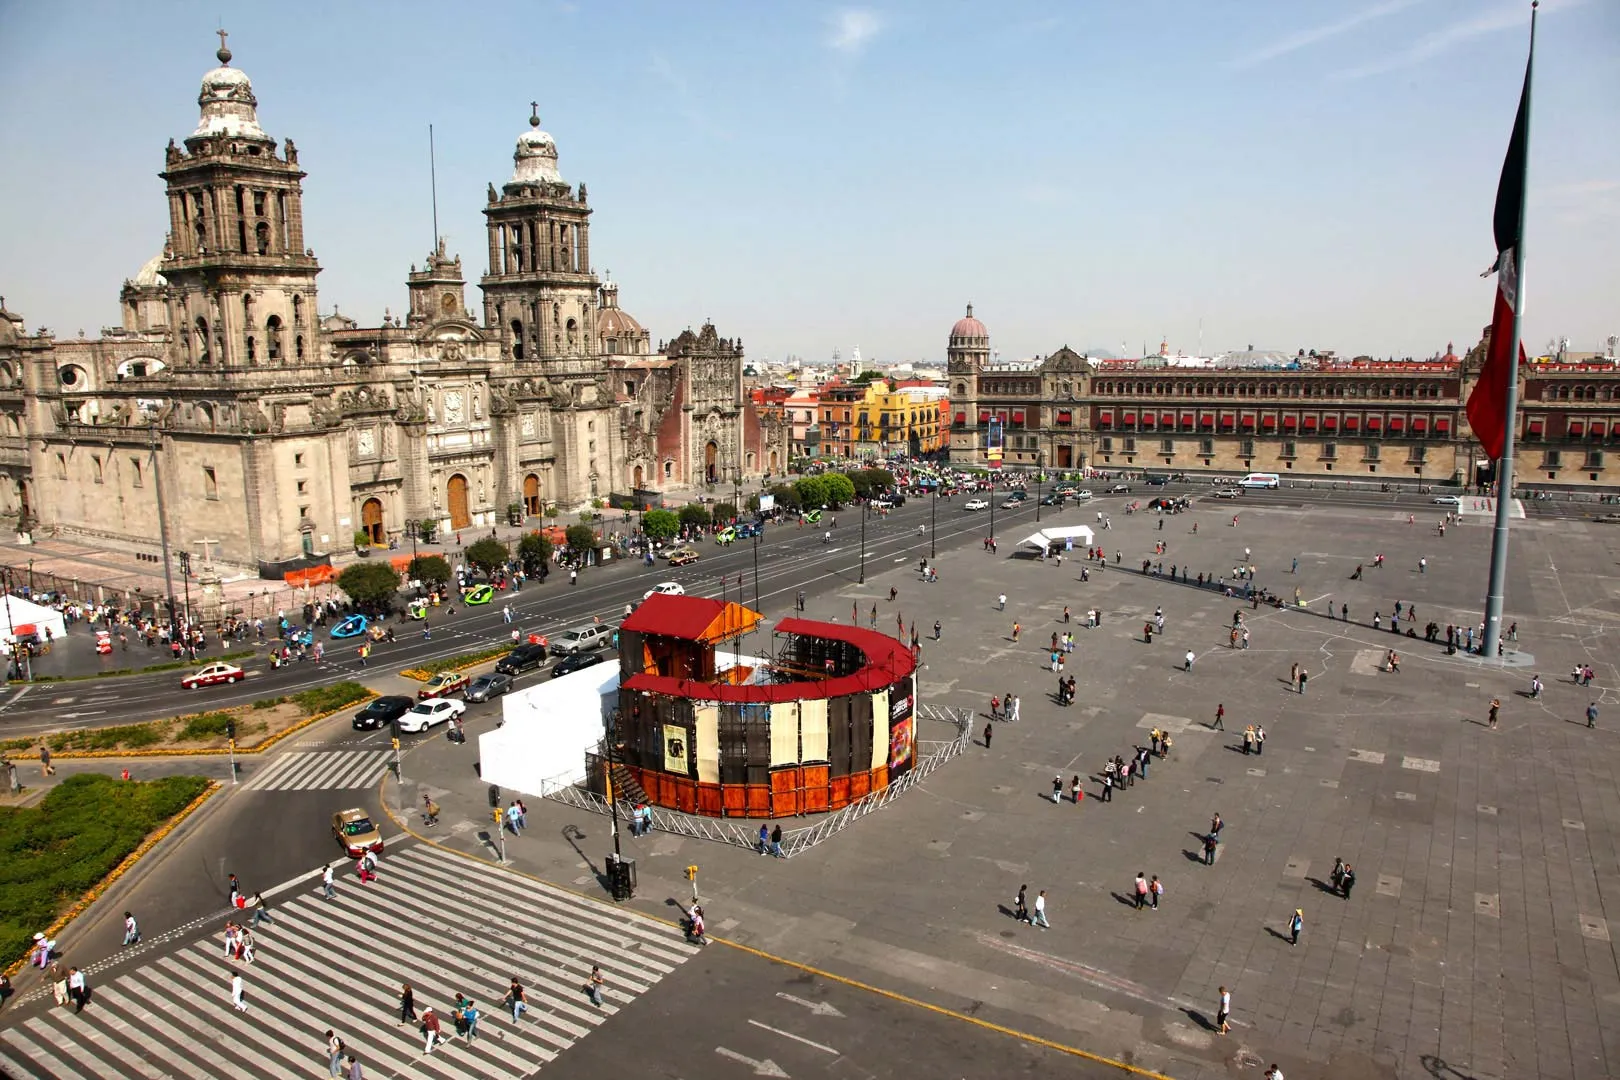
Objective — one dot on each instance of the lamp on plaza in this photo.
(933, 522)
(185, 579)
(992, 506)
(413, 527)
(866, 508)
(1038, 458)
(163, 530)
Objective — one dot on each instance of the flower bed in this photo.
(426, 671)
(57, 858)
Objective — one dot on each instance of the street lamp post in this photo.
(866, 508)
(185, 581)
(992, 506)
(163, 530)
(933, 523)
(1037, 485)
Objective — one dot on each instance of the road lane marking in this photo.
(820, 1008)
(795, 1038)
(767, 1067)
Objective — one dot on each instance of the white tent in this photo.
(15, 611)
(547, 729)
(1060, 535)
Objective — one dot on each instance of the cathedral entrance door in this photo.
(371, 520)
(1065, 456)
(711, 453)
(456, 496)
(636, 481)
(531, 496)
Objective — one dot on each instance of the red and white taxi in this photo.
(212, 674)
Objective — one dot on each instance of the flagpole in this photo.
(1494, 597)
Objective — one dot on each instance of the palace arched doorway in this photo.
(532, 504)
(456, 496)
(635, 480)
(371, 520)
(711, 456)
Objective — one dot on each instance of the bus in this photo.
(1260, 480)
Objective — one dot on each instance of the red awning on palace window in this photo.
(1396, 423)
(1147, 420)
(1420, 424)
(1018, 417)
(1226, 419)
(961, 418)
(1128, 418)
(1065, 416)
(1169, 419)
(1597, 429)
(1187, 420)
(1374, 423)
(1206, 419)
(1248, 419)
(1351, 423)
(1310, 423)
(1290, 422)
(1105, 418)
(1330, 423)
(984, 416)
(1535, 427)
(1577, 428)
(1442, 425)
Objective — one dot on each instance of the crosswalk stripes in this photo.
(321, 770)
(442, 923)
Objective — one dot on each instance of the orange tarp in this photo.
(314, 575)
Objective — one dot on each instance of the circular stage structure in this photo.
(825, 720)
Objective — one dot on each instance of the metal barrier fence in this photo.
(729, 831)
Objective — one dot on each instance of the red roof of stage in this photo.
(887, 662)
(690, 618)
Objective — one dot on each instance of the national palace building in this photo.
(1305, 415)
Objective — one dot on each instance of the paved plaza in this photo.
(1477, 941)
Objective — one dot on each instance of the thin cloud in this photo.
(851, 30)
(1305, 38)
(1503, 17)
(681, 98)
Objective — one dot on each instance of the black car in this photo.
(380, 712)
(1052, 500)
(1155, 481)
(576, 661)
(521, 659)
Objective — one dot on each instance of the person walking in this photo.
(431, 1028)
(78, 992)
(1108, 784)
(593, 986)
(1347, 881)
(1074, 789)
(1293, 677)
(1259, 739)
(1141, 891)
(989, 730)
(355, 1072)
(1495, 709)
(1040, 911)
(1591, 715)
(45, 766)
(1057, 790)
(937, 629)
(1187, 661)
(1248, 740)
(407, 1004)
(1223, 1012)
(329, 892)
(1304, 676)
(1001, 602)
(1017, 629)
(1220, 717)
(1021, 905)
(237, 1001)
(1155, 890)
(334, 1054)
(132, 932)
(1295, 925)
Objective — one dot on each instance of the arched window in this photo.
(272, 337)
(298, 346)
(961, 390)
(298, 311)
(201, 340)
(517, 339)
(261, 237)
(252, 352)
(573, 328)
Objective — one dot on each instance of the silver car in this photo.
(488, 686)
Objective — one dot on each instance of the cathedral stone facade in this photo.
(228, 413)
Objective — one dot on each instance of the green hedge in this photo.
(52, 854)
(449, 663)
(327, 698)
(208, 725)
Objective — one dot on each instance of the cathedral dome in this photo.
(227, 102)
(535, 160)
(150, 276)
(969, 328)
(617, 329)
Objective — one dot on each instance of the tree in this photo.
(812, 492)
(725, 511)
(696, 515)
(839, 489)
(430, 570)
(660, 524)
(880, 479)
(861, 481)
(581, 538)
(371, 585)
(786, 497)
(534, 551)
(487, 555)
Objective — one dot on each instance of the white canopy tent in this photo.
(1061, 535)
(547, 729)
(15, 611)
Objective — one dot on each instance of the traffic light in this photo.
(494, 796)
(396, 745)
(230, 729)
(691, 872)
(393, 730)
(496, 815)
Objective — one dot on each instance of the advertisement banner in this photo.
(676, 751)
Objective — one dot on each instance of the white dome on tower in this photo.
(535, 160)
(227, 102)
(150, 275)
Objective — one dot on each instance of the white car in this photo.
(668, 588)
(1446, 500)
(976, 504)
(1229, 493)
(425, 714)
(1080, 496)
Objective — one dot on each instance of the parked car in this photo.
(1079, 496)
(489, 686)
(581, 639)
(682, 555)
(1229, 493)
(1446, 500)
(668, 588)
(521, 659)
(355, 831)
(1052, 500)
(1155, 481)
(576, 662)
(976, 504)
(443, 684)
(212, 674)
(424, 714)
(1017, 496)
(380, 712)
(1119, 489)
(1011, 504)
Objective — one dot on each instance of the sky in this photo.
(1305, 174)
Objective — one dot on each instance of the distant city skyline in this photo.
(1302, 175)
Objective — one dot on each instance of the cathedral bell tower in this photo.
(241, 283)
(540, 293)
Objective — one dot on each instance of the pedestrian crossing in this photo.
(321, 770)
(442, 923)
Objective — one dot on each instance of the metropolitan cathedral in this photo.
(226, 409)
